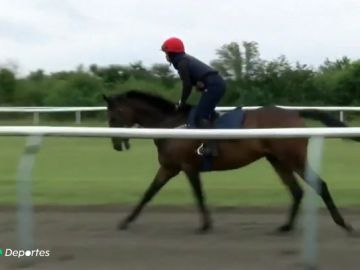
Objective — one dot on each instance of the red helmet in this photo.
(173, 45)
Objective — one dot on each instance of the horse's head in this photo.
(144, 109)
(119, 115)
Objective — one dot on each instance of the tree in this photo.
(338, 82)
(347, 89)
(7, 85)
(111, 74)
(230, 61)
(235, 64)
(37, 75)
(164, 73)
(138, 71)
(80, 89)
(339, 64)
(252, 59)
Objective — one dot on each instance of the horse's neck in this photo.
(149, 118)
(154, 118)
(174, 121)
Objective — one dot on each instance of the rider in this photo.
(207, 80)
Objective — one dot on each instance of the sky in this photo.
(60, 35)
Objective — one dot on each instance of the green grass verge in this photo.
(88, 171)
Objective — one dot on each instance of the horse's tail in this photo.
(326, 119)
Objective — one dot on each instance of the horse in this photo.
(124, 143)
(286, 156)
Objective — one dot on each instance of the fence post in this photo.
(310, 218)
(78, 117)
(36, 118)
(342, 118)
(24, 196)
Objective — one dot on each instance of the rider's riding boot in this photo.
(209, 147)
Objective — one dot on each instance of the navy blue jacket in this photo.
(191, 71)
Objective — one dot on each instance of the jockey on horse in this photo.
(207, 80)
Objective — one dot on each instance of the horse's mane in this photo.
(157, 101)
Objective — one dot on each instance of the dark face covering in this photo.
(167, 57)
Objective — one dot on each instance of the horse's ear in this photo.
(106, 98)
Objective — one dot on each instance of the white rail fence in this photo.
(158, 133)
(36, 111)
(24, 196)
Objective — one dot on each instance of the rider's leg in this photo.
(209, 147)
(215, 88)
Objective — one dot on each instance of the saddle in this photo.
(228, 120)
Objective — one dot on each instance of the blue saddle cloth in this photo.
(229, 120)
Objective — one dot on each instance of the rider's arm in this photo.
(184, 73)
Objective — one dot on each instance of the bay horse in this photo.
(286, 156)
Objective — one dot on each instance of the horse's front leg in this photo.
(195, 182)
(162, 177)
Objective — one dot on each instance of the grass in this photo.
(88, 171)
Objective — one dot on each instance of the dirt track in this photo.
(87, 239)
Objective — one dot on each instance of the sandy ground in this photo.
(161, 240)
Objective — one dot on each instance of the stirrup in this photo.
(199, 150)
(204, 150)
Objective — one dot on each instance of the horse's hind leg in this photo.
(288, 178)
(195, 182)
(162, 177)
(322, 189)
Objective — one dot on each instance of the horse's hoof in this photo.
(284, 228)
(349, 229)
(123, 226)
(204, 229)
